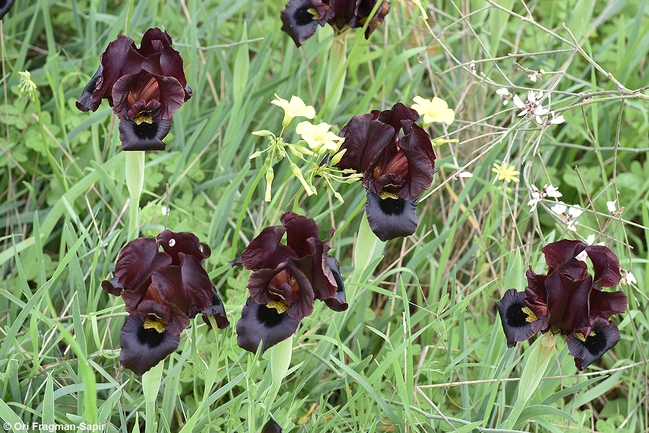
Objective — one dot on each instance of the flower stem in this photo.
(280, 360)
(150, 386)
(134, 183)
(535, 366)
(336, 74)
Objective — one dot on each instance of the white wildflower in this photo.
(611, 206)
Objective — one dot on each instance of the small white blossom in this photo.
(536, 199)
(611, 206)
(505, 95)
(559, 209)
(462, 174)
(590, 239)
(550, 191)
(556, 120)
(629, 278)
(582, 256)
(538, 75)
(538, 195)
(569, 213)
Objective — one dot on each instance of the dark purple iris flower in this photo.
(163, 284)
(397, 161)
(301, 18)
(286, 280)
(569, 301)
(5, 5)
(145, 86)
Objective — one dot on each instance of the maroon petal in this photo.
(568, 302)
(135, 263)
(298, 230)
(338, 302)
(86, 102)
(606, 265)
(561, 255)
(271, 427)
(183, 242)
(536, 295)
(119, 59)
(399, 117)
(605, 304)
(286, 283)
(167, 63)
(265, 251)
(365, 139)
(154, 41)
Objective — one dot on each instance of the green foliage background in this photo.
(421, 348)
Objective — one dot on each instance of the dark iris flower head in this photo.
(301, 18)
(589, 344)
(397, 161)
(145, 86)
(286, 279)
(163, 284)
(568, 300)
(5, 5)
(271, 427)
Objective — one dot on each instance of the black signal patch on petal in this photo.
(145, 135)
(5, 5)
(516, 317)
(143, 347)
(588, 347)
(391, 218)
(271, 427)
(263, 324)
(301, 18)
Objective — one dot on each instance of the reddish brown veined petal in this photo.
(217, 311)
(183, 242)
(167, 63)
(365, 140)
(154, 41)
(605, 264)
(376, 21)
(119, 59)
(86, 102)
(338, 302)
(298, 230)
(399, 117)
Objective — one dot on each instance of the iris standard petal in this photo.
(154, 41)
(286, 283)
(298, 230)
(567, 302)
(145, 136)
(561, 255)
(262, 324)
(605, 264)
(391, 218)
(606, 304)
(142, 348)
(301, 18)
(119, 59)
(135, 263)
(86, 102)
(183, 242)
(265, 250)
(589, 348)
(365, 139)
(168, 63)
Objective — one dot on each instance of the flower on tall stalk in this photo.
(163, 284)
(5, 5)
(397, 161)
(568, 300)
(145, 86)
(286, 280)
(301, 18)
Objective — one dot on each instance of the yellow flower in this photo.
(506, 172)
(296, 107)
(435, 110)
(318, 137)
